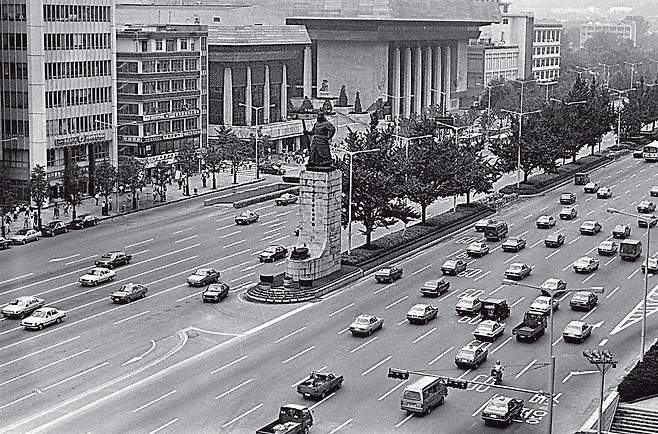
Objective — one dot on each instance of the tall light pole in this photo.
(551, 374)
(632, 64)
(518, 155)
(115, 128)
(656, 62)
(488, 86)
(409, 139)
(256, 109)
(442, 97)
(396, 119)
(621, 100)
(607, 75)
(603, 361)
(547, 84)
(647, 220)
(349, 196)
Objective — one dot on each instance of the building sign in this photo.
(130, 139)
(80, 138)
(172, 115)
(158, 137)
(277, 130)
(152, 161)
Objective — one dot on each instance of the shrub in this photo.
(642, 381)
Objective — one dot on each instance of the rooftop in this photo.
(258, 35)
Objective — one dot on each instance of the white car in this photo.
(577, 331)
(585, 264)
(365, 325)
(96, 276)
(489, 330)
(22, 306)
(542, 304)
(477, 249)
(43, 317)
(24, 236)
(545, 222)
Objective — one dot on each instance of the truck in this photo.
(319, 385)
(532, 327)
(630, 250)
(293, 419)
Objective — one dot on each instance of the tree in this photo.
(342, 98)
(188, 162)
(7, 200)
(105, 177)
(475, 173)
(131, 175)
(357, 104)
(400, 209)
(39, 189)
(229, 148)
(213, 157)
(75, 186)
(161, 177)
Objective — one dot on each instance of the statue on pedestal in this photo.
(319, 159)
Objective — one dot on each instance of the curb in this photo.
(265, 197)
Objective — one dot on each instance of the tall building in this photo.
(57, 88)
(626, 30)
(546, 46)
(162, 90)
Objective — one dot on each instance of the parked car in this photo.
(477, 249)
(468, 306)
(43, 317)
(246, 217)
(558, 286)
(652, 222)
(583, 300)
(114, 259)
(502, 410)
(518, 270)
(55, 227)
(489, 330)
(621, 231)
(435, 287)
(365, 325)
(514, 244)
(272, 253)
(604, 193)
(83, 221)
(96, 276)
(568, 213)
(215, 292)
(203, 277)
(286, 199)
(271, 169)
(568, 198)
(577, 331)
(542, 304)
(654, 191)
(472, 355)
(653, 265)
(453, 266)
(591, 187)
(554, 240)
(545, 222)
(608, 248)
(590, 227)
(646, 207)
(4, 243)
(22, 306)
(481, 224)
(129, 292)
(585, 264)
(388, 274)
(638, 153)
(24, 236)
(422, 313)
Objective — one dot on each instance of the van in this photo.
(495, 231)
(630, 250)
(423, 395)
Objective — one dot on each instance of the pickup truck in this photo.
(293, 419)
(319, 385)
(532, 327)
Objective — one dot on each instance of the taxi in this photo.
(514, 244)
(545, 222)
(365, 325)
(577, 331)
(518, 270)
(585, 264)
(608, 248)
(489, 330)
(554, 240)
(502, 410)
(422, 313)
(568, 213)
(590, 227)
(621, 231)
(468, 306)
(646, 207)
(567, 198)
(477, 249)
(472, 355)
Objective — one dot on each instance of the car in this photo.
(646, 207)
(502, 410)
(271, 169)
(453, 266)
(422, 313)
(583, 300)
(5, 243)
(286, 199)
(654, 191)
(272, 253)
(365, 325)
(545, 222)
(55, 227)
(113, 259)
(489, 330)
(652, 222)
(568, 213)
(518, 270)
(96, 276)
(320, 384)
(468, 306)
(43, 317)
(591, 187)
(542, 305)
(514, 244)
(568, 198)
(554, 240)
(604, 193)
(477, 249)
(472, 355)
(557, 286)
(435, 287)
(388, 274)
(590, 227)
(215, 292)
(653, 265)
(481, 224)
(585, 264)
(246, 217)
(83, 221)
(577, 331)
(24, 236)
(22, 306)
(638, 153)
(621, 231)
(608, 248)
(203, 277)
(129, 292)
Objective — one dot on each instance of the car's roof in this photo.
(468, 298)
(366, 316)
(488, 322)
(576, 323)
(99, 268)
(25, 297)
(582, 294)
(552, 281)
(590, 222)
(584, 258)
(494, 300)
(420, 306)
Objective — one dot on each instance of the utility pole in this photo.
(603, 361)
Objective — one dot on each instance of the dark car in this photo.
(568, 213)
(554, 240)
(518, 270)
(495, 309)
(83, 221)
(434, 288)
(286, 199)
(422, 313)
(652, 221)
(388, 274)
(590, 227)
(272, 169)
(453, 266)
(472, 355)
(215, 292)
(203, 277)
(246, 217)
(583, 300)
(514, 244)
(113, 259)
(5, 243)
(55, 227)
(129, 292)
(621, 231)
(638, 153)
(502, 410)
(272, 253)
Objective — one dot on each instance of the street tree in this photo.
(188, 162)
(401, 210)
(475, 173)
(214, 157)
(105, 179)
(161, 177)
(7, 200)
(131, 175)
(75, 186)
(39, 189)
(229, 148)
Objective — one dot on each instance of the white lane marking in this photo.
(404, 420)
(154, 401)
(588, 278)
(281, 214)
(186, 239)
(591, 250)
(496, 290)
(267, 215)
(160, 428)
(383, 288)
(495, 248)
(64, 259)
(557, 341)
(79, 374)
(38, 351)
(396, 302)
(420, 270)
(16, 278)
(558, 231)
(543, 209)
(576, 220)
(524, 370)
(234, 244)
(603, 342)
(131, 317)
(56, 362)
(341, 309)
(353, 350)
(627, 191)
(633, 274)
(610, 261)
(225, 227)
(511, 259)
(575, 239)
(229, 364)
(233, 267)
(139, 243)
(588, 314)
(181, 231)
(269, 237)
(503, 343)
(246, 276)
(233, 389)
(195, 294)
(431, 362)
(232, 421)
(517, 302)
(225, 218)
(454, 253)
(272, 230)
(322, 400)
(403, 321)
(280, 238)
(527, 217)
(396, 387)
(290, 334)
(424, 335)
(484, 405)
(265, 207)
(369, 370)
(568, 266)
(344, 330)
(481, 276)
(301, 353)
(87, 258)
(230, 234)
(612, 292)
(538, 242)
(468, 371)
(553, 254)
(342, 425)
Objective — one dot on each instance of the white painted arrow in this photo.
(575, 373)
(64, 259)
(597, 325)
(138, 358)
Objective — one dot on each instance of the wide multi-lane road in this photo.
(171, 364)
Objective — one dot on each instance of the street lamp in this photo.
(256, 109)
(488, 86)
(442, 100)
(115, 135)
(349, 196)
(603, 361)
(633, 64)
(518, 156)
(607, 75)
(396, 119)
(409, 139)
(620, 92)
(551, 373)
(647, 220)
(547, 84)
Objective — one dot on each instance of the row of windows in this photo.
(90, 68)
(548, 75)
(17, 158)
(79, 124)
(77, 41)
(541, 51)
(77, 153)
(166, 127)
(161, 86)
(13, 12)
(14, 99)
(73, 97)
(15, 128)
(506, 61)
(170, 45)
(13, 41)
(547, 35)
(151, 108)
(164, 147)
(14, 70)
(163, 65)
(543, 63)
(76, 13)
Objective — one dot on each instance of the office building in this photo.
(626, 30)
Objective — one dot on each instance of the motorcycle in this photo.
(497, 375)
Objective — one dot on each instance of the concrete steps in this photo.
(268, 294)
(631, 420)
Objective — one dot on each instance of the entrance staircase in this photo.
(632, 420)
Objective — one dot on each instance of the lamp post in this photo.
(647, 220)
(547, 84)
(632, 64)
(603, 361)
(115, 128)
(409, 139)
(607, 74)
(621, 100)
(396, 119)
(551, 374)
(256, 109)
(518, 156)
(656, 62)
(442, 97)
(488, 86)
(349, 196)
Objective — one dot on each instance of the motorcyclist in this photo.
(498, 369)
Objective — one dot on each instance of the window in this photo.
(149, 108)
(183, 44)
(50, 157)
(171, 45)
(128, 109)
(164, 127)
(191, 64)
(191, 84)
(505, 20)
(163, 106)
(127, 88)
(163, 86)
(158, 45)
(177, 65)
(148, 88)
(178, 126)
(177, 85)
(150, 129)
(129, 67)
(144, 46)
(191, 124)
(163, 66)
(191, 104)
(148, 66)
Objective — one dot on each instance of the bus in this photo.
(650, 151)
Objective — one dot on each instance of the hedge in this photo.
(642, 381)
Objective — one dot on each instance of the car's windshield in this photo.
(21, 232)
(17, 303)
(497, 405)
(580, 297)
(39, 314)
(486, 327)
(52, 224)
(540, 302)
(465, 303)
(417, 310)
(361, 320)
(466, 353)
(200, 272)
(588, 225)
(96, 272)
(516, 267)
(573, 329)
(410, 395)
(107, 256)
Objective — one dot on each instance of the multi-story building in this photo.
(624, 29)
(546, 55)
(162, 82)
(56, 88)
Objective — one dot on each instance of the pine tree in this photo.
(342, 98)
(357, 104)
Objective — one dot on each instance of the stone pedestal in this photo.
(320, 218)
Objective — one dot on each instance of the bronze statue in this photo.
(319, 159)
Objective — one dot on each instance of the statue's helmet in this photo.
(321, 117)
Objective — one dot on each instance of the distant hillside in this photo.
(646, 6)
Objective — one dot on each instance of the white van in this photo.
(423, 395)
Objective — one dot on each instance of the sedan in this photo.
(96, 276)
(558, 286)
(129, 292)
(481, 224)
(203, 277)
(286, 199)
(453, 266)
(652, 222)
(518, 270)
(577, 331)
(422, 313)
(545, 222)
(365, 325)
(477, 249)
(585, 264)
(388, 274)
(646, 207)
(83, 221)
(272, 169)
(272, 253)
(114, 259)
(215, 293)
(55, 227)
(621, 231)
(4, 243)
(608, 248)
(24, 236)
(604, 193)
(654, 191)
(554, 240)
(502, 410)
(653, 266)
(246, 217)
(568, 213)
(43, 317)
(542, 304)
(489, 330)
(22, 306)
(567, 198)
(590, 227)
(583, 300)
(514, 244)
(434, 288)
(468, 306)
(591, 187)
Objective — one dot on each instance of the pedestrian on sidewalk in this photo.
(97, 197)
(16, 214)
(7, 222)
(203, 179)
(66, 209)
(110, 208)
(56, 210)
